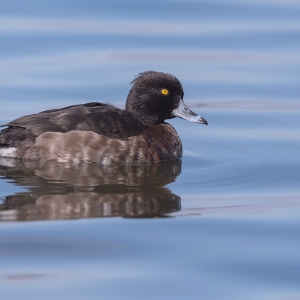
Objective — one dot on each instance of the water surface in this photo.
(221, 224)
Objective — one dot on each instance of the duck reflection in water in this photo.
(60, 191)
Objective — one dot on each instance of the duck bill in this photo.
(182, 111)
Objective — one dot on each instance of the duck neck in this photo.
(140, 112)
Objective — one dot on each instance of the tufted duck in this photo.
(103, 134)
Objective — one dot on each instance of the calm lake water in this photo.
(221, 224)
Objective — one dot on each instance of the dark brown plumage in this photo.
(102, 133)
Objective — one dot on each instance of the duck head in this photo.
(156, 96)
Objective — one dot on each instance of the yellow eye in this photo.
(165, 92)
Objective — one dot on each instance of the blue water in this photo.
(221, 224)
